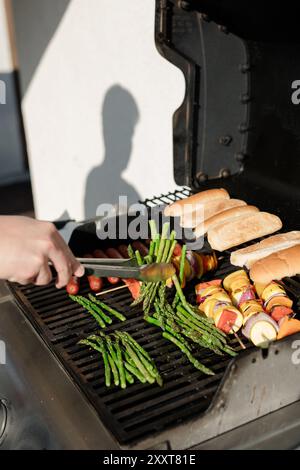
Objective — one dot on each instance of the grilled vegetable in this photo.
(288, 326)
(190, 357)
(124, 359)
(134, 287)
(217, 304)
(228, 319)
(275, 300)
(100, 348)
(279, 312)
(84, 303)
(200, 289)
(274, 295)
(195, 265)
(99, 310)
(261, 329)
(109, 309)
(181, 321)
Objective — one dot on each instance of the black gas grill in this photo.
(140, 410)
(237, 128)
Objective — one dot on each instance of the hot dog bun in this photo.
(276, 266)
(243, 229)
(225, 216)
(249, 255)
(177, 208)
(210, 209)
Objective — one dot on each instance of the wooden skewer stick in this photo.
(239, 340)
(114, 289)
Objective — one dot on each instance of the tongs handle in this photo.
(127, 269)
(107, 261)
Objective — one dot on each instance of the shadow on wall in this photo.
(120, 116)
(35, 24)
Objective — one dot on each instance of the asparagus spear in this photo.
(109, 309)
(130, 339)
(120, 364)
(98, 347)
(144, 357)
(138, 363)
(130, 251)
(154, 321)
(98, 311)
(134, 371)
(205, 326)
(181, 274)
(139, 258)
(172, 248)
(114, 370)
(198, 339)
(204, 322)
(182, 263)
(188, 354)
(96, 316)
(88, 305)
(128, 376)
(151, 248)
(148, 259)
(166, 250)
(153, 229)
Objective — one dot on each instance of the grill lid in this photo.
(240, 114)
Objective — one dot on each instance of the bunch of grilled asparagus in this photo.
(124, 359)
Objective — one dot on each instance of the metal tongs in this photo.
(127, 269)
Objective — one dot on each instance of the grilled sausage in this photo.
(113, 253)
(123, 250)
(101, 254)
(73, 286)
(137, 245)
(95, 282)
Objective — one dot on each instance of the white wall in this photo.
(99, 44)
(6, 59)
(12, 162)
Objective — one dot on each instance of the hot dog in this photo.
(95, 282)
(137, 245)
(73, 286)
(132, 284)
(100, 254)
(123, 250)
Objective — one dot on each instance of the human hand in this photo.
(27, 246)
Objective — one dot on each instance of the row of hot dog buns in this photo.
(274, 257)
(227, 222)
(231, 222)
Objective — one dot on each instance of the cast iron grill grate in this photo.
(140, 410)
